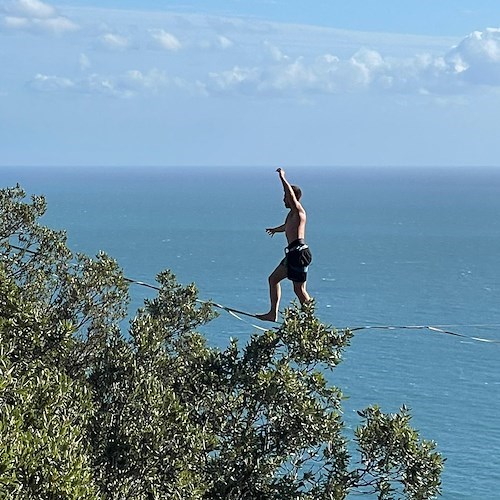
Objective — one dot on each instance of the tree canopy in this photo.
(88, 411)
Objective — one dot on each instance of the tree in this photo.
(88, 411)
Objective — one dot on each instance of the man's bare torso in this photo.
(295, 225)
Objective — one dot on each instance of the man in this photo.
(297, 253)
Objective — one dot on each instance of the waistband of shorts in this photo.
(298, 244)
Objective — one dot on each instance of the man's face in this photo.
(286, 202)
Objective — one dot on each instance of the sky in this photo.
(250, 83)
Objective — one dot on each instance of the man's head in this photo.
(298, 194)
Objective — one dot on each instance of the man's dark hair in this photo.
(297, 191)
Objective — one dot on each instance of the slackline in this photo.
(233, 312)
(437, 329)
(443, 329)
(230, 310)
(430, 328)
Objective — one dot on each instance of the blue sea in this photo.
(391, 246)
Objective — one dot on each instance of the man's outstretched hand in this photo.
(281, 172)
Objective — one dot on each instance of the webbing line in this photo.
(230, 310)
(235, 312)
(427, 327)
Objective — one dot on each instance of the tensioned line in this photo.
(236, 313)
(230, 310)
(437, 329)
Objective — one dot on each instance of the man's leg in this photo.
(274, 293)
(301, 292)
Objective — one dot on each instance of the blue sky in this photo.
(250, 82)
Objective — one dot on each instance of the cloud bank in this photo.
(475, 61)
(246, 57)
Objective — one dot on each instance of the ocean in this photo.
(391, 247)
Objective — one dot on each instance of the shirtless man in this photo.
(297, 253)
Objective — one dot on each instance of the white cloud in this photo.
(93, 84)
(325, 74)
(477, 57)
(33, 9)
(48, 83)
(244, 80)
(114, 42)
(125, 85)
(57, 25)
(166, 40)
(36, 16)
(216, 42)
(294, 76)
(136, 80)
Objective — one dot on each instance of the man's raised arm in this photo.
(293, 202)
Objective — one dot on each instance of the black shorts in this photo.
(297, 260)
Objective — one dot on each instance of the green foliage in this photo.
(156, 413)
(277, 415)
(44, 413)
(392, 454)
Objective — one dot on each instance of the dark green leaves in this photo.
(393, 458)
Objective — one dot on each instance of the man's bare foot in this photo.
(307, 303)
(268, 317)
